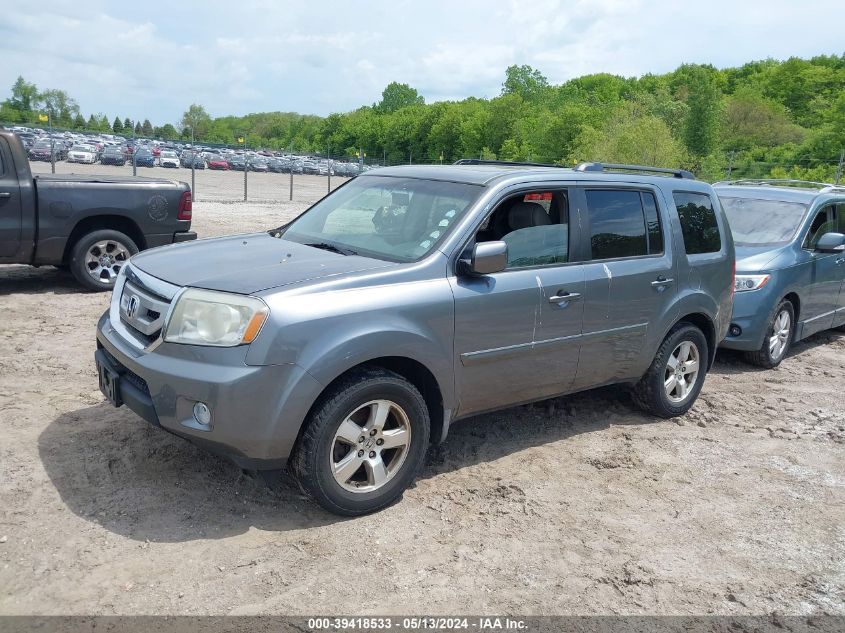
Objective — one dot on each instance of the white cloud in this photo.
(258, 55)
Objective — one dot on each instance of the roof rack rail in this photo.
(509, 163)
(822, 187)
(677, 173)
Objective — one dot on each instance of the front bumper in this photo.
(752, 312)
(257, 411)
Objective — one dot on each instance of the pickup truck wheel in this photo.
(363, 443)
(96, 258)
(778, 338)
(673, 381)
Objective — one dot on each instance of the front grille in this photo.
(142, 311)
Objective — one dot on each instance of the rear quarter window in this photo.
(698, 222)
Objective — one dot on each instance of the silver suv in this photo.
(345, 342)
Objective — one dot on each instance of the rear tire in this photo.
(673, 381)
(778, 339)
(339, 460)
(96, 258)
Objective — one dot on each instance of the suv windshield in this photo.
(398, 219)
(763, 222)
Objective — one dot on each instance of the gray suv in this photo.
(345, 342)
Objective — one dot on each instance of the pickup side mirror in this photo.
(486, 258)
(831, 243)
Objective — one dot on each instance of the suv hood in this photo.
(247, 263)
(750, 259)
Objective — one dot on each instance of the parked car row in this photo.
(108, 149)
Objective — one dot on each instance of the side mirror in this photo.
(831, 243)
(486, 258)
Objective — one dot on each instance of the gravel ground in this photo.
(578, 506)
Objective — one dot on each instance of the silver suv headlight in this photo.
(219, 319)
(744, 283)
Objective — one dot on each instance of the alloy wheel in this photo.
(105, 259)
(781, 330)
(370, 446)
(681, 372)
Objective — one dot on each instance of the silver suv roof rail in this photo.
(600, 167)
(821, 187)
(676, 173)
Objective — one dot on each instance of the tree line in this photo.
(765, 118)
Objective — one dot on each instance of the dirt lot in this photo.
(589, 508)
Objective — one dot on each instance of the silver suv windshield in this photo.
(397, 219)
(763, 222)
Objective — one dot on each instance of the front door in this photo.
(517, 331)
(825, 276)
(10, 204)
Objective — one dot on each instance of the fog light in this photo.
(202, 413)
(735, 330)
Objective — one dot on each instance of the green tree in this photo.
(79, 122)
(197, 119)
(60, 106)
(525, 81)
(147, 128)
(127, 124)
(25, 96)
(396, 96)
(92, 124)
(117, 126)
(704, 99)
(137, 128)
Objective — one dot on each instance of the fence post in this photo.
(246, 169)
(329, 172)
(731, 162)
(839, 169)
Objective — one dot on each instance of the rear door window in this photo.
(623, 223)
(698, 222)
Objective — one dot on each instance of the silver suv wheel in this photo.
(681, 372)
(781, 330)
(370, 446)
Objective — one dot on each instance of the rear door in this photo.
(11, 209)
(630, 280)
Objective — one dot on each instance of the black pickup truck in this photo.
(88, 224)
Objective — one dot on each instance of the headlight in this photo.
(744, 283)
(219, 319)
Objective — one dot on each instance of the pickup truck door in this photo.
(11, 218)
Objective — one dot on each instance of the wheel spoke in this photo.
(395, 438)
(670, 384)
(349, 432)
(673, 361)
(692, 367)
(378, 414)
(346, 467)
(684, 352)
(376, 471)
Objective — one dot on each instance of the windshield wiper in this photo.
(333, 248)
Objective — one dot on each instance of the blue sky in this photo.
(152, 59)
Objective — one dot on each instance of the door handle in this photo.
(566, 296)
(661, 281)
(5, 194)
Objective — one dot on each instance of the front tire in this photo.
(673, 381)
(778, 338)
(96, 258)
(363, 444)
